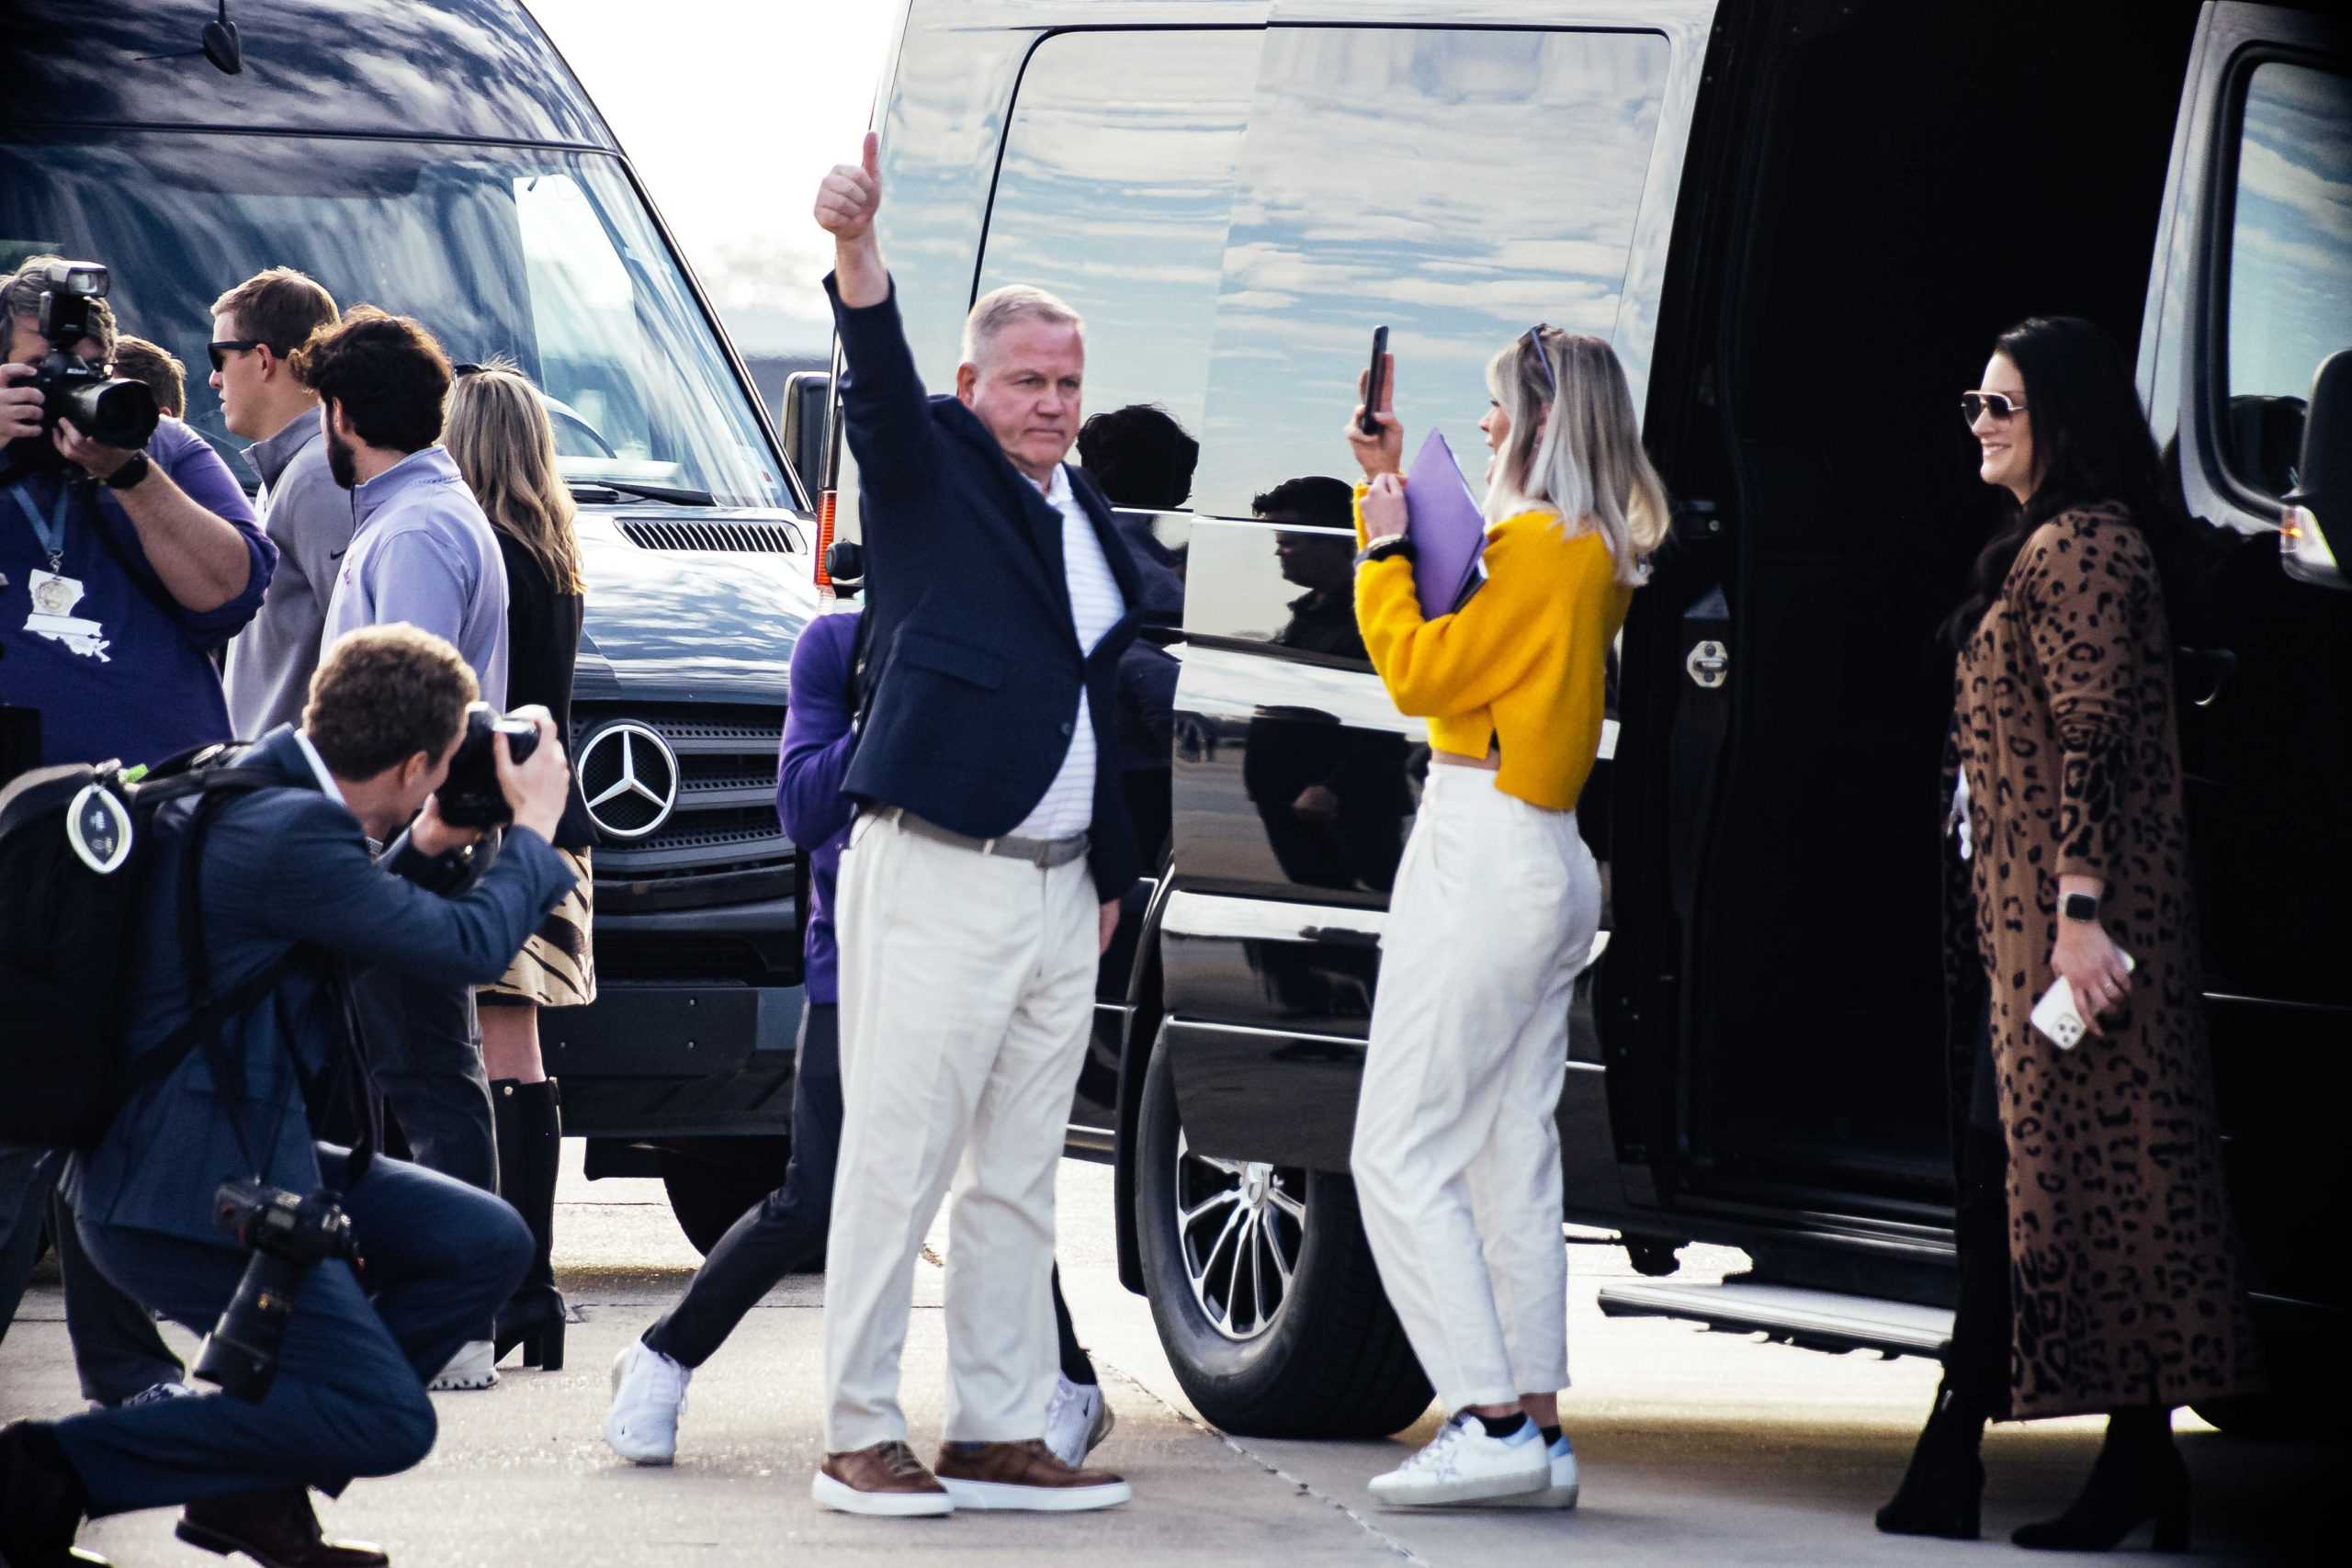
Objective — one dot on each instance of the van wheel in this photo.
(711, 1183)
(1263, 1289)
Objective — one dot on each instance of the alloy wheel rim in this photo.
(1239, 1225)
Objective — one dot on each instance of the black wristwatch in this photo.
(2080, 907)
(131, 473)
(1382, 550)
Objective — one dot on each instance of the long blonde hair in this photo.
(1585, 460)
(498, 432)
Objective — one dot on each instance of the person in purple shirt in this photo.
(143, 563)
(785, 1231)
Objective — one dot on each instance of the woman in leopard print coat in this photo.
(2099, 1268)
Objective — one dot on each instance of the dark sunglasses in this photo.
(1997, 404)
(219, 352)
(1533, 338)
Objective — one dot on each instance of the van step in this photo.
(1817, 1320)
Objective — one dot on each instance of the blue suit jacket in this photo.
(976, 667)
(282, 868)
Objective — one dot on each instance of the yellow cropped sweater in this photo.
(1520, 663)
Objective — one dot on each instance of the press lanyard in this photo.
(49, 531)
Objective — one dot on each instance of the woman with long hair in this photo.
(2099, 1269)
(499, 434)
(1496, 903)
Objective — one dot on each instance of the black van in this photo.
(1801, 223)
(435, 157)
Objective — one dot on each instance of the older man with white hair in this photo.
(982, 879)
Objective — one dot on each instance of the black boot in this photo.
(2140, 1476)
(530, 1144)
(1943, 1488)
(42, 1501)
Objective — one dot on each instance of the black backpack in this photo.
(76, 872)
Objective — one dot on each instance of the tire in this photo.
(1326, 1357)
(712, 1181)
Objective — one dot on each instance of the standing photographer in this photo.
(121, 571)
(286, 878)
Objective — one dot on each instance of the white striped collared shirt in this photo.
(1096, 605)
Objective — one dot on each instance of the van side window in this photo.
(2290, 263)
(1458, 185)
(1115, 191)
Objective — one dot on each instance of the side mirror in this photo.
(2317, 529)
(845, 566)
(807, 396)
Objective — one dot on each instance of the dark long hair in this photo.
(2091, 444)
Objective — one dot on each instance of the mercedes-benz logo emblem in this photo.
(628, 777)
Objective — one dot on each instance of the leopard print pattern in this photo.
(2125, 1277)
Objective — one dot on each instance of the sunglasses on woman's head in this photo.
(1997, 404)
(1533, 338)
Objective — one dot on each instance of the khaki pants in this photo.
(1457, 1152)
(967, 989)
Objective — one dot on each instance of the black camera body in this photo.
(287, 1237)
(469, 796)
(111, 409)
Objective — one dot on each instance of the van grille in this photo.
(722, 835)
(715, 535)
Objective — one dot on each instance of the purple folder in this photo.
(1449, 531)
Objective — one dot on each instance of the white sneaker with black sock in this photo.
(1464, 1464)
(473, 1367)
(649, 1396)
(1077, 1420)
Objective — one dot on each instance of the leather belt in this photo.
(1042, 853)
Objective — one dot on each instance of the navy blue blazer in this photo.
(282, 868)
(975, 669)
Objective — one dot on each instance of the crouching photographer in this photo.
(333, 1283)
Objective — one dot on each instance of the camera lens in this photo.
(119, 413)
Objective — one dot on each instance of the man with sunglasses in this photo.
(255, 327)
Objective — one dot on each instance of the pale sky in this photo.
(732, 110)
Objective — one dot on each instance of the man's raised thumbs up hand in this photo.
(846, 201)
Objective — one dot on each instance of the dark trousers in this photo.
(1976, 1367)
(425, 1044)
(116, 1348)
(785, 1231)
(349, 1396)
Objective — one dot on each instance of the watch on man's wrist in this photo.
(1382, 550)
(130, 474)
(2079, 907)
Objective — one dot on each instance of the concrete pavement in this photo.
(1696, 1447)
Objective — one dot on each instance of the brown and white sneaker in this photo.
(1024, 1476)
(885, 1480)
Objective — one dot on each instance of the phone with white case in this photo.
(2056, 1016)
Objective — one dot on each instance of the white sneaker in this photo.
(1463, 1464)
(474, 1366)
(649, 1396)
(1077, 1420)
(1561, 1492)
(154, 1393)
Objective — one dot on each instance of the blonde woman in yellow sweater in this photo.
(1456, 1154)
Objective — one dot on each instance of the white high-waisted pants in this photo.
(967, 989)
(1457, 1153)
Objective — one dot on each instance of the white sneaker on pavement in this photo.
(649, 1396)
(1077, 1420)
(475, 1366)
(1463, 1464)
(1561, 1492)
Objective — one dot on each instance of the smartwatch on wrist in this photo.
(2079, 907)
(130, 474)
(1382, 550)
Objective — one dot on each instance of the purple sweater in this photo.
(808, 800)
(151, 690)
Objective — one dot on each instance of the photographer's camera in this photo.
(288, 1236)
(111, 409)
(470, 797)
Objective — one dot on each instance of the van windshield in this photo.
(546, 255)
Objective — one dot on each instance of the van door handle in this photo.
(1709, 665)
